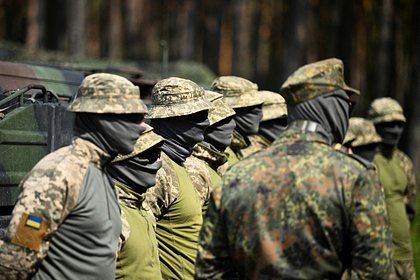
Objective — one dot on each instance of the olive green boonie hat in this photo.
(274, 105)
(174, 97)
(107, 93)
(315, 79)
(238, 92)
(146, 140)
(220, 110)
(361, 132)
(385, 109)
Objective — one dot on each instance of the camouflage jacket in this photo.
(239, 143)
(213, 158)
(258, 142)
(66, 201)
(298, 210)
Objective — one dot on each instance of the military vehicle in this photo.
(34, 120)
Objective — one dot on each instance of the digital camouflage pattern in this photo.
(108, 93)
(50, 192)
(239, 143)
(238, 92)
(274, 105)
(200, 177)
(361, 132)
(403, 270)
(172, 97)
(385, 109)
(160, 197)
(258, 143)
(220, 110)
(146, 140)
(315, 79)
(213, 158)
(298, 210)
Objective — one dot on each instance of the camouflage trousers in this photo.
(403, 270)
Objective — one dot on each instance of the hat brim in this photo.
(244, 100)
(118, 106)
(178, 109)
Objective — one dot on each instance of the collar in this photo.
(87, 149)
(212, 157)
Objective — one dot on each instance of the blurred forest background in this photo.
(261, 40)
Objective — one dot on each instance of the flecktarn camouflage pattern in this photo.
(274, 105)
(146, 140)
(108, 93)
(220, 110)
(174, 97)
(361, 132)
(315, 79)
(238, 92)
(385, 109)
(298, 210)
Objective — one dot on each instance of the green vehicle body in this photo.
(34, 120)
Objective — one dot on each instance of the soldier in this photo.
(361, 138)
(300, 209)
(133, 174)
(210, 152)
(179, 114)
(241, 95)
(396, 174)
(66, 222)
(273, 122)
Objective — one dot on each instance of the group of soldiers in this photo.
(225, 183)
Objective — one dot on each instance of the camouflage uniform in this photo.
(238, 93)
(274, 107)
(174, 200)
(299, 209)
(66, 222)
(204, 157)
(138, 257)
(396, 173)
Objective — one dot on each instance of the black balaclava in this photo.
(139, 172)
(219, 135)
(390, 132)
(366, 151)
(247, 119)
(331, 111)
(181, 133)
(115, 134)
(271, 129)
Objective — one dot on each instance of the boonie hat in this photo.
(237, 92)
(385, 109)
(174, 97)
(107, 93)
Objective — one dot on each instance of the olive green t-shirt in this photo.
(395, 183)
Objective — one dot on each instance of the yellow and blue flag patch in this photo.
(33, 221)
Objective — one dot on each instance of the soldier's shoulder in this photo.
(356, 159)
(406, 162)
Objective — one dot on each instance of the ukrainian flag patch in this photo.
(33, 222)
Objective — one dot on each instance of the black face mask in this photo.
(219, 135)
(271, 129)
(247, 119)
(113, 133)
(366, 151)
(331, 111)
(390, 132)
(139, 172)
(181, 134)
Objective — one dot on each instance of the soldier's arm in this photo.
(213, 260)
(410, 196)
(370, 230)
(39, 210)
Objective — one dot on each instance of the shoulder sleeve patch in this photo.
(30, 232)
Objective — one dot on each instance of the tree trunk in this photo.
(76, 26)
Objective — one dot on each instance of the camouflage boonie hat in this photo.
(385, 109)
(146, 140)
(174, 97)
(220, 110)
(107, 93)
(361, 132)
(315, 79)
(238, 92)
(274, 105)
